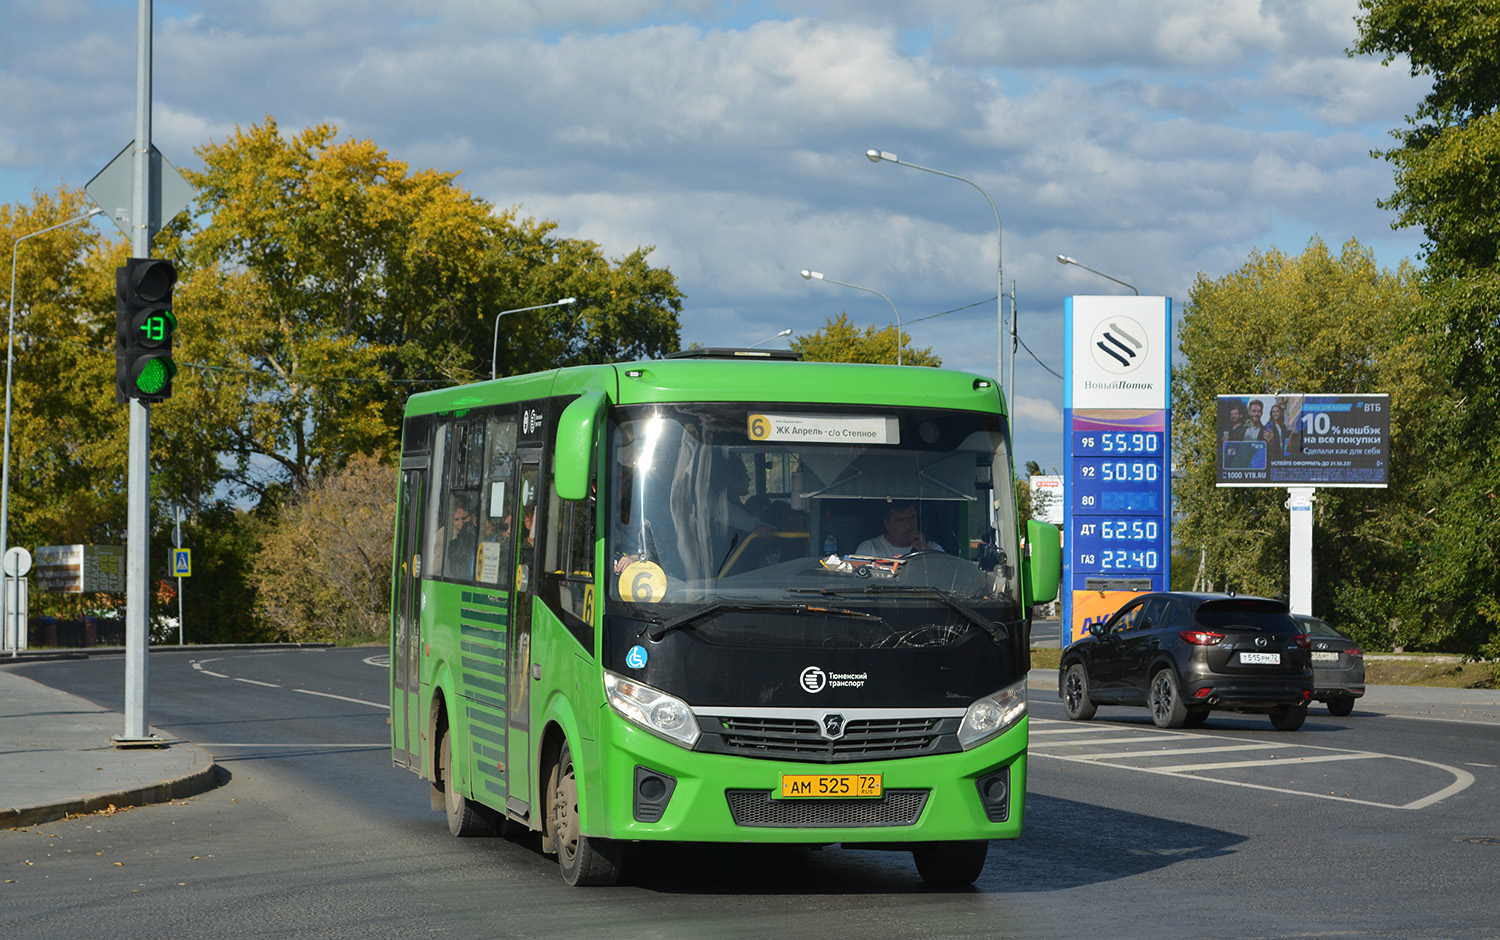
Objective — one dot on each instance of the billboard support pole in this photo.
(1300, 502)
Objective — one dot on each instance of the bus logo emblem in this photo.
(833, 726)
(813, 679)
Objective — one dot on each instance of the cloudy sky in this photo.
(1152, 140)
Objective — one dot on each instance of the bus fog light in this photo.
(992, 715)
(659, 713)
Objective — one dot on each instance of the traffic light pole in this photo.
(138, 472)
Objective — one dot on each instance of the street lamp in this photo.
(785, 332)
(495, 346)
(10, 355)
(877, 156)
(1065, 259)
(816, 275)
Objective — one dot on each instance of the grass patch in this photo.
(1042, 658)
(1449, 675)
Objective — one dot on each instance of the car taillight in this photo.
(1354, 651)
(1200, 637)
(1303, 640)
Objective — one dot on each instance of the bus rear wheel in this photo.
(950, 863)
(584, 861)
(465, 817)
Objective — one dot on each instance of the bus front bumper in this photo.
(646, 788)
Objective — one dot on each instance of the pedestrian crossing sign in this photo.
(182, 562)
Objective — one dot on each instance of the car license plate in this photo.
(830, 785)
(1260, 659)
(1325, 657)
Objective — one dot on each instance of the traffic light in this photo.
(143, 329)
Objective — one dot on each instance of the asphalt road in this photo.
(1367, 826)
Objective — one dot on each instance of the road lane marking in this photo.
(1172, 752)
(1073, 750)
(344, 698)
(340, 744)
(269, 685)
(1280, 761)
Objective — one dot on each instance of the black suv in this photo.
(1183, 655)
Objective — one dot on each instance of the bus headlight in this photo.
(661, 714)
(992, 715)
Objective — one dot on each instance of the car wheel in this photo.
(1167, 709)
(584, 860)
(950, 863)
(1289, 717)
(1076, 701)
(465, 817)
(1341, 705)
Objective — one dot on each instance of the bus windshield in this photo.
(733, 505)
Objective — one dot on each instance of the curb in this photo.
(190, 784)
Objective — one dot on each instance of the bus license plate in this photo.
(1261, 659)
(830, 785)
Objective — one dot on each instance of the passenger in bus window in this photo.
(901, 533)
(459, 553)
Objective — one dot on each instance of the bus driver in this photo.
(901, 533)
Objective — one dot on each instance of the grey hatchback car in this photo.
(1183, 655)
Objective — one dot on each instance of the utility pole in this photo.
(138, 472)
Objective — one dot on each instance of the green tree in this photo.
(331, 280)
(68, 438)
(324, 568)
(1447, 163)
(839, 340)
(1309, 324)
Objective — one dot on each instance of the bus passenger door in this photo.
(518, 697)
(406, 638)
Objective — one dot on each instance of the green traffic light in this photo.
(154, 376)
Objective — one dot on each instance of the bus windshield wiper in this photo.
(996, 632)
(661, 627)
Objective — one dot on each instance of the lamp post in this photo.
(785, 332)
(877, 156)
(816, 275)
(10, 355)
(1065, 259)
(495, 346)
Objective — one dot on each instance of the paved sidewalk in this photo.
(57, 758)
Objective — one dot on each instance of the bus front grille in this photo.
(756, 808)
(801, 739)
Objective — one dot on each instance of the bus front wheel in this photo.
(950, 863)
(584, 860)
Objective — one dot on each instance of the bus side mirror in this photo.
(574, 456)
(1042, 565)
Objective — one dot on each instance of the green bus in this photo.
(721, 597)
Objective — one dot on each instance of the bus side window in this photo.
(496, 523)
(454, 538)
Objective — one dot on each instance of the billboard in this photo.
(1303, 440)
(1047, 495)
(81, 569)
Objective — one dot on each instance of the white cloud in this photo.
(1151, 139)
